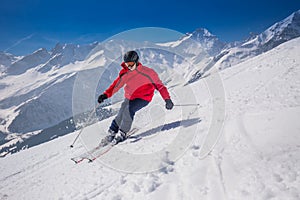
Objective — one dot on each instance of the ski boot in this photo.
(119, 137)
(108, 139)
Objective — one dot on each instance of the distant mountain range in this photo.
(36, 90)
(277, 34)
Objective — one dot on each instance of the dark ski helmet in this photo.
(131, 56)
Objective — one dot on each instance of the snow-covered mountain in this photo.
(36, 91)
(277, 34)
(38, 57)
(33, 86)
(6, 60)
(257, 156)
(196, 49)
(208, 41)
(64, 54)
(197, 42)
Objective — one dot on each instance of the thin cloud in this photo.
(20, 41)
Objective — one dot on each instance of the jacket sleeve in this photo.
(115, 86)
(160, 86)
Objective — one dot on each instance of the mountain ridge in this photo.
(42, 82)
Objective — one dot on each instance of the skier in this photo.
(139, 84)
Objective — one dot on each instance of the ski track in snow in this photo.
(257, 156)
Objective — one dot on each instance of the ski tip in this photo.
(76, 161)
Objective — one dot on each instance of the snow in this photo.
(175, 43)
(47, 79)
(29, 84)
(256, 157)
(280, 32)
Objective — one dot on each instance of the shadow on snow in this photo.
(166, 127)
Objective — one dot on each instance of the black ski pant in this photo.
(123, 121)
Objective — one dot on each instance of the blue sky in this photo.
(27, 25)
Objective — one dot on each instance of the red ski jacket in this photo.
(139, 83)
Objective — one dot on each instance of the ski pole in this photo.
(197, 104)
(87, 122)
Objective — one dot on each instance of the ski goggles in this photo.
(130, 64)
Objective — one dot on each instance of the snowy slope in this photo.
(42, 82)
(6, 60)
(37, 90)
(257, 156)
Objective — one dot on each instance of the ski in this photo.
(100, 150)
(91, 155)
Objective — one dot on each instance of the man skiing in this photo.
(139, 84)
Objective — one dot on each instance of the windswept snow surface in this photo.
(257, 156)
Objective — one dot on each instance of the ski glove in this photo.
(169, 104)
(102, 97)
